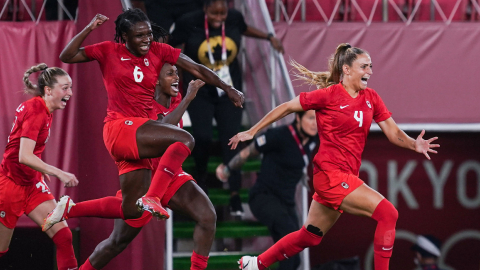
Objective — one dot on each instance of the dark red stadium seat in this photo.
(311, 11)
(366, 7)
(447, 6)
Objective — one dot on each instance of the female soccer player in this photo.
(130, 69)
(344, 112)
(22, 173)
(183, 195)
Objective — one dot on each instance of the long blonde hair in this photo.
(345, 54)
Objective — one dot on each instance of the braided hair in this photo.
(130, 17)
(48, 77)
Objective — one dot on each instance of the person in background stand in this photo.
(23, 173)
(345, 111)
(212, 37)
(427, 252)
(286, 150)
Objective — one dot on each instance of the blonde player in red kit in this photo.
(344, 112)
(22, 173)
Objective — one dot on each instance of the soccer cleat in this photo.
(152, 205)
(58, 214)
(248, 263)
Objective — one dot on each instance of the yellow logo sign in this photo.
(216, 45)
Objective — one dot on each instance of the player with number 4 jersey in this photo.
(344, 113)
(23, 189)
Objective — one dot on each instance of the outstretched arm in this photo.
(398, 137)
(72, 53)
(223, 171)
(175, 116)
(279, 112)
(208, 76)
(27, 157)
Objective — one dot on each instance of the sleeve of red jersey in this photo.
(99, 50)
(167, 53)
(33, 121)
(313, 100)
(380, 111)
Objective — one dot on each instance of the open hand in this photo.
(98, 20)
(425, 146)
(240, 137)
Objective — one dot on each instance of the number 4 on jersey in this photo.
(359, 117)
(138, 74)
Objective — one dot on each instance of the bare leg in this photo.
(193, 202)
(109, 248)
(5, 237)
(134, 185)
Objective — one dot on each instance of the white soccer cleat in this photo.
(248, 263)
(58, 214)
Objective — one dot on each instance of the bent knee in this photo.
(385, 211)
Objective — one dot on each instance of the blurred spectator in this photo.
(427, 252)
(212, 37)
(272, 197)
(164, 13)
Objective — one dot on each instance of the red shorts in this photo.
(120, 138)
(16, 199)
(331, 187)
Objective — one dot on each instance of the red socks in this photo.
(2, 253)
(288, 246)
(199, 262)
(170, 163)
(65, 255)
(386, 215)
(87, 266)
(107, 207)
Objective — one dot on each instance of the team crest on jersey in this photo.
(2, 214)
(368, 104)
(145, 60)
(128, 122)
(345, 185)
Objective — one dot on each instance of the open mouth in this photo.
(364, 80)
(175, 87)
(144, 47)
(65, 100)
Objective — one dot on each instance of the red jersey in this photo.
(33, 121)
(129, 80)
(159, 109)
(343, 125)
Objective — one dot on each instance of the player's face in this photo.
(309, 123)
(57, 97)
(138, 38)
(168, 80)
(216, 13)
(359, 73)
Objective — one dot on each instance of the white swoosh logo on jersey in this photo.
(387, 248)
(343, 107)
(125, 59)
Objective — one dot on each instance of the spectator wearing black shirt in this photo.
(220, 24)
(272, 198)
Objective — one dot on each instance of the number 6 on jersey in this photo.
(138, 74)
(359, 117)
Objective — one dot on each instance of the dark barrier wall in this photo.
(439, 197)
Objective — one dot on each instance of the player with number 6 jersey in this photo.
(130, 68)
(23, 189)
(344, 113)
